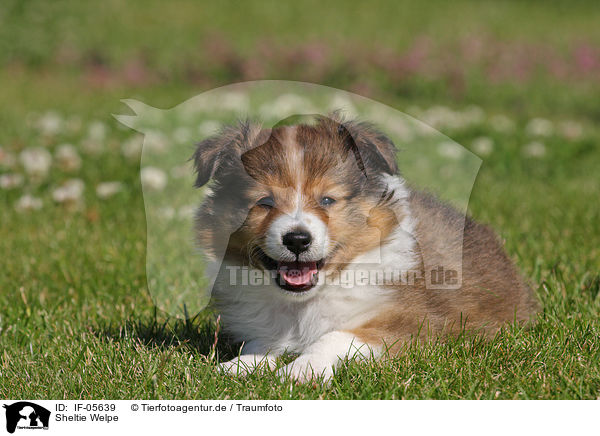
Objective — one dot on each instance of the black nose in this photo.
(297, 241)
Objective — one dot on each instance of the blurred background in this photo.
(515, 82)
(525, 57)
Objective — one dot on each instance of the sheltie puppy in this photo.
(294, 211)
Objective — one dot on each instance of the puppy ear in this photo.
(385, 148)
(376, 149)
(351, 147)
(206, 159)
(219, 151)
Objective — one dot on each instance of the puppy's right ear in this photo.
(221, 153)
(206, 159)
(218, 151)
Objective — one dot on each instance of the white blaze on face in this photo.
(299, 220)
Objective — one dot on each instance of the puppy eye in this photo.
(327, 201)
(267, 202)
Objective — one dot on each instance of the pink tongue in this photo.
(297, 273)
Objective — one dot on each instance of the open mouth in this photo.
(293, 276)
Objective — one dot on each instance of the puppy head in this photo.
(297, 199)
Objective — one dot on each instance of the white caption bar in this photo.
(317, 417)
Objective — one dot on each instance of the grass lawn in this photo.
(76, 317)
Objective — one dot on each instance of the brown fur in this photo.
(342, 159)
(492, 292)
(250, 163)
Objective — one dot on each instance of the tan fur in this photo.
(342, 160)
(492, 292)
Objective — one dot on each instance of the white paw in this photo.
(245, 364)
(305, 369)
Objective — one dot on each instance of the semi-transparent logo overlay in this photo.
(181, 272)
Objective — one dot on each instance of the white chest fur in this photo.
(269, 320)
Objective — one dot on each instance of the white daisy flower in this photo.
(153, 178)
(473, 115)
(93, 143)
(501, 123)
(50, 124)
(339, 101)
(156, 141)
(67, 158)
(108, 189)
(234, 101)
(424, 129)
(27, 202)
(166, 212)
(97, 131)
(132, 148)
(291, 104)
(445, 117)
(36, 162)
(10, 181)
(208, 127)
(450, 150)
(483, 145)
(440, 117)
(186, 212)
(534, 149)
(540, 127)
(70, 192)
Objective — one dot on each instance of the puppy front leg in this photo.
(321, 358)
(252, 357)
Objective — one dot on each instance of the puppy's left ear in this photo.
(376, 149)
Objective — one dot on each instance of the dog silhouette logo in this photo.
(26, 415)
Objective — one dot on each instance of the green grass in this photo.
(79, 323)
(76, 317)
